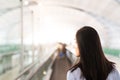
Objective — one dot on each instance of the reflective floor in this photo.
(10, 75)
(60, 68)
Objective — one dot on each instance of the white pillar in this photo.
(32, 19)
(22, 46)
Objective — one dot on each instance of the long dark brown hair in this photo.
(93, 63)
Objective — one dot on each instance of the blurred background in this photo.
(31, 29)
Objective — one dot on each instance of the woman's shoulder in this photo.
(114, 75)
(74, 74)
(75, 71)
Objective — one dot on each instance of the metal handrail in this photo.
(29, 77)
(50, 67)
(9, 53)
(27, 69)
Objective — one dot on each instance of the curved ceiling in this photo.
(70, 14)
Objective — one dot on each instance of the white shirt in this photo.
(75, 75)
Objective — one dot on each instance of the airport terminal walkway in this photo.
(60, 68)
